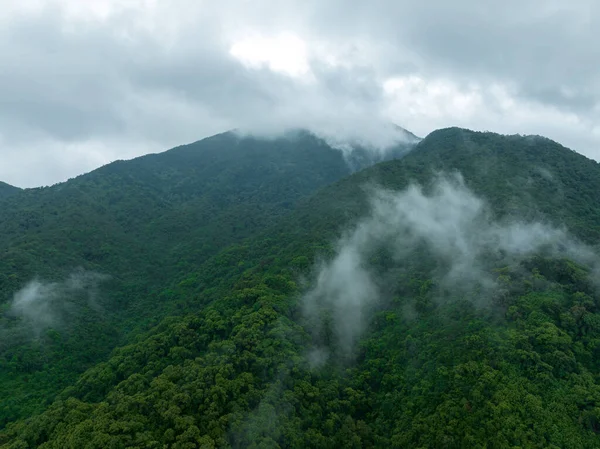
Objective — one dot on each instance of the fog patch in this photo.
(373, 140)
(41, 305)
(545, 173)
(449, 223)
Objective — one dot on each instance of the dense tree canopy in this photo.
(143, 225)
(223, 358)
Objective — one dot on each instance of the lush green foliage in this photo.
(515, 368)
(146, 223)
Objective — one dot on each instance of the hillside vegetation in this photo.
(462, 313)
(100, 250)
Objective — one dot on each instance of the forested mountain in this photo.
(7, 189)
(126, 232)
(445, 299)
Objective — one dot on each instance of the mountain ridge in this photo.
(7, 190)
(119, 219)
(429, 369)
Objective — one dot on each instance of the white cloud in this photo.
(463, 242)
(285, 53)
(432, 100)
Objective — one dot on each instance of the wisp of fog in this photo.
(373, 140)
(41, 305)
(452, 223)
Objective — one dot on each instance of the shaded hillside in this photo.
(7, 190)
(438, 361)
(130, 229)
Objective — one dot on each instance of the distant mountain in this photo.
(7, 189)
(407, 136)
(145, 223)
(524, 176)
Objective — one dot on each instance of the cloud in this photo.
(41, 305)
(285, 53)
(131, 77)
(448, 222)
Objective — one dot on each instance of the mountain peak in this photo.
(409, 136)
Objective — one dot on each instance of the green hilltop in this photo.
(202, 336)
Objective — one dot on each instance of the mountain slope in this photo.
(125, 232)
(7, 190)
(529, 177)
(510, 364)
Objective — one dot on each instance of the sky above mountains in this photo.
(85, 83)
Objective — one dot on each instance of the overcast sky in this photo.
(83, 83)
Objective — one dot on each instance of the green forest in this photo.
(248, 293)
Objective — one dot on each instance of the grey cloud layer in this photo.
(76, 93)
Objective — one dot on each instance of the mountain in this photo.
(126, 232)
(462, 313)
(7, 189)
(360, 155)
(524, 176)
(406, 135)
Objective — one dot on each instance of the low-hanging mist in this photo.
(41, 305)
(383, 141)
(449, 223)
